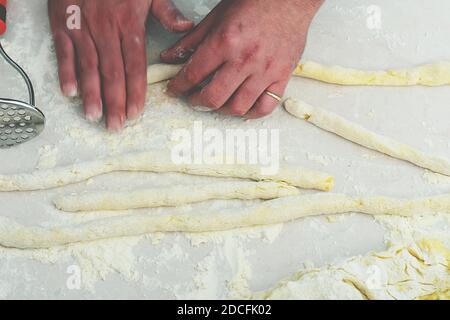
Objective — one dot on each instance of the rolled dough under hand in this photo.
(435, 74)
(280, 210)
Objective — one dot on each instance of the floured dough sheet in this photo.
(275, 211)
(436, 74)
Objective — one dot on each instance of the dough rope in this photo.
(364, 137)
(173, 196)
(280, 210)
(436, 74)
(154, 162)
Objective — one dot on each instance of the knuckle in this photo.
(269, 65)
(238, 110)
(192, 77)
(88, 63)
(245, 94)
(213, 102)
(112, 73)
(134, 66)
(230, 37)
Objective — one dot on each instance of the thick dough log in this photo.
(364, 137)
(154, 162)
(173, 196)
(280, 210)
(435, 74)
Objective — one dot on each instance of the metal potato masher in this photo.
(19, 121)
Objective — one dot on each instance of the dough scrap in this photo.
(161, 72)
(435, 74)
(403, 272)
(173, 196)
(15, 235)
(155, 162)
(364, 137)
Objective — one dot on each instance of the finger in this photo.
(224, 83)
(113, 78)
(202, 64)
(245, 97)
(89, 76)
(65, 54)
(135, 60)
(170, 17)
(184, 48)
(265, 103)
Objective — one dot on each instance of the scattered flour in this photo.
(48, 157)
(436, 178)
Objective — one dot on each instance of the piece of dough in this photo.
(161, 72)
(155, 162)
(436, 74)
(173, 196)
(360, 135)
(280, 210)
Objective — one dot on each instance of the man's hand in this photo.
(105, 59)
(250, 46)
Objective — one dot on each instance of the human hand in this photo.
(249, 46)
(105, 59)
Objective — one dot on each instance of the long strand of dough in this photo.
(435, 74)
(364, 137)
(280, 210)
(173, 196)
(154, 162)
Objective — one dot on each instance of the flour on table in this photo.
(48, 157)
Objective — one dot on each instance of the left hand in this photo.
(250, 46)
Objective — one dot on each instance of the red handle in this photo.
(3, 4)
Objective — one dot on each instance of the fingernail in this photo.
(70, 90)
(115, 123)
(133, 112)
(94, 115)
(183, 21)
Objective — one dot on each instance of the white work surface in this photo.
(187, 266)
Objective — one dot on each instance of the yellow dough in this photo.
(154, 162)
(280, 210)
(173, 196)
(436, 74)
(360, 135)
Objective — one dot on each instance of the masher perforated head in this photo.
(19, 122)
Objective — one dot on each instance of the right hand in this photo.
(105, 60)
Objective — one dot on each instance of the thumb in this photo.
(170, 17)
